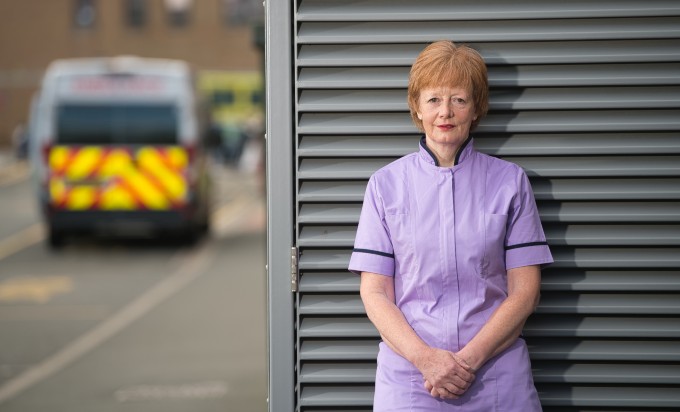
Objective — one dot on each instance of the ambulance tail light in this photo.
(192, 167)
(46, 148)
(191, 152)
(45, 154)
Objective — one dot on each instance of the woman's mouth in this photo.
(445, 127)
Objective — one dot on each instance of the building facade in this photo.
(210, 34)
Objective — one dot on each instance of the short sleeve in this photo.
(525, 242)
(373, 250)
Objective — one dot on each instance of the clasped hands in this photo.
(446, 374)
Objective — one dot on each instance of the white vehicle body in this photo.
(118, 143)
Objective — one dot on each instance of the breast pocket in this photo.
(494, 244)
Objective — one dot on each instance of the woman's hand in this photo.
(446, 375)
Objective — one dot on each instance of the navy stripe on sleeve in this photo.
(375, 252)
(526, 245)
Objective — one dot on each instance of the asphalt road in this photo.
(130, 325)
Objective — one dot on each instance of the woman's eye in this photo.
(432, 100)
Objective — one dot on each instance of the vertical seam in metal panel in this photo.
(280, 321)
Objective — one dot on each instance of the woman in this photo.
(449, 248)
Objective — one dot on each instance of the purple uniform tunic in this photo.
(448, 235)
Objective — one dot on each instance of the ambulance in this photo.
(118, 145)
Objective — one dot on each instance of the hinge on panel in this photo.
(294, 269)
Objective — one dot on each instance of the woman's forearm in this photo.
(392, 325)
(506, 323)
(447, 374)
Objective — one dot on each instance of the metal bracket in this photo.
(294, 269)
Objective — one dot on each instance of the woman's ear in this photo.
(420, 116)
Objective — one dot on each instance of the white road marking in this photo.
(196, 390)
(14, 173)
(192, 268)
(36, 289)
(21, 240)
(225, 218)
(30, 313)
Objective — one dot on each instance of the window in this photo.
(85, 14)
(222, 98)
(136, 13)
(238, 12)
(117, 124)
(178, 12)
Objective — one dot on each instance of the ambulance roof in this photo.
(117, 65)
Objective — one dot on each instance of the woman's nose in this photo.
(446, 110)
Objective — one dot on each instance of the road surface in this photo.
(133, 325)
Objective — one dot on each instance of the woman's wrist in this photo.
(419, 356)
(471, 358)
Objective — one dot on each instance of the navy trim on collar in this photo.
(460, 150)
(427, 149)
(458, 154)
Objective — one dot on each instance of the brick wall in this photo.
(35, 32)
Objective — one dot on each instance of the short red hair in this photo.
(443, 63)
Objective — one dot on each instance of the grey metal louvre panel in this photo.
(570, 325)
(489, 30)
(606, 189)
(585, 97)
(620, 396)
(610, 280)
(604, 350)
(550, 394)
(585, 166)
(550, 121)
(565, 257)
(331, 304)
(433, 10)
(544, 189)
(575, 303)
(329, 213)
(621, 257)
(357, 145)
(540, 52)
(607, 303)
(324, 191)
(595, 212)
(579, 144)
(336, 395)
(364, 349)
(552, 280)
(538, 326)
(540, 349)
(337, 327)
(534, 75)
(578, 235)
(345, 372)
(597, 98)
(548, 372)
(591, 166)
(336, 281)
(534, 144)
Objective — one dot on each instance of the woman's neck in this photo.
(444, 152)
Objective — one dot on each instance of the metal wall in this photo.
(585, 95)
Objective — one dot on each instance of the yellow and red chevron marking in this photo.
(109, 178)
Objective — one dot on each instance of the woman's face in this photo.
(447, 114)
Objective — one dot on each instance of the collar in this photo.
(463, 152)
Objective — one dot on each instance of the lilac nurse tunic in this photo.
(448, 235)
